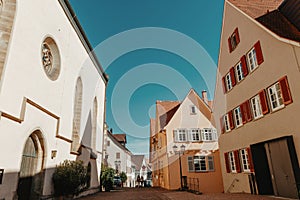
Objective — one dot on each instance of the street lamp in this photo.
(180, 153)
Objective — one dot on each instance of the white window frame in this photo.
(181, 135)
(252, 59)
(244, 160)
(228, 81)
(275, 97)
(194, 133)
(232, 162)
(256, 107)
(200, 160)
(226, 123)
(239, 72)
(208, 134)
(193, 109)
(238, 117)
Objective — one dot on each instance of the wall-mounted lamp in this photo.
(53, 154)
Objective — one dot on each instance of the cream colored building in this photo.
(117, 156)
(187, 123)
(257, 98)
(52, 97)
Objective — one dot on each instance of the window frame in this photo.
(239, 116)
(228, 82)
(192, 132)
(208, 133)
(238, 68)
(231, 160)
(252, 59)
(204, 163)
(200, 160)
(256, 107)
(244, 158)
(226, 123)
(118, 155)
(193, 110)
(177, 134)
(277, 93)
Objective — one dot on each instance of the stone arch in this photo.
(7, 16)
(94, 124)
(77, 117)
(31, 176)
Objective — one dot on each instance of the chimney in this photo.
(204, 96)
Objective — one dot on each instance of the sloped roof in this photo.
(137, 161)
(256, 8)
(279, 24)
(200, 104)
(275, 15)
(166, 109)
(120, 138)
(113, 138)
(164, 112)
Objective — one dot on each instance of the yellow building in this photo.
(185, 124)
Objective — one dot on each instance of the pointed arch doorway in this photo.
(31, 176)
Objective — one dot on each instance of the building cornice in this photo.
(291, 42)
(82, 36)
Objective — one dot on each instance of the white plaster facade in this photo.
(183, 118)
(118, 157)
(32, 103)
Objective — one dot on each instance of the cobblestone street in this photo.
(161, 194)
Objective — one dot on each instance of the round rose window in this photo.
(50, 58)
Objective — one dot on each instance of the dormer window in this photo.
(233, 40)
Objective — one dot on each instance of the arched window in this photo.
(77, 117)
(94, 124)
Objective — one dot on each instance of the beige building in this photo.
(185, 124)
(52, 97)
(257, 97)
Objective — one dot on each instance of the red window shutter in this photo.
(259, 55)
(224, 85)
(285, 90)
(232, 76)
(237, 161)
(250, 161)
(229, 45)
(236, 32)
(227, 162)
(263, 102)
(230, 116)
(244, 66)
(244, 113)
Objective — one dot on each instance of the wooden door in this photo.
(280, 164)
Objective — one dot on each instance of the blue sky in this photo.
(151, 50)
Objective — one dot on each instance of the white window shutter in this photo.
(176, 137)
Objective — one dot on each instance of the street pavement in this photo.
(161, 194)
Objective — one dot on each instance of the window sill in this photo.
(251, 71)
(257, 118)
(277, 109)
